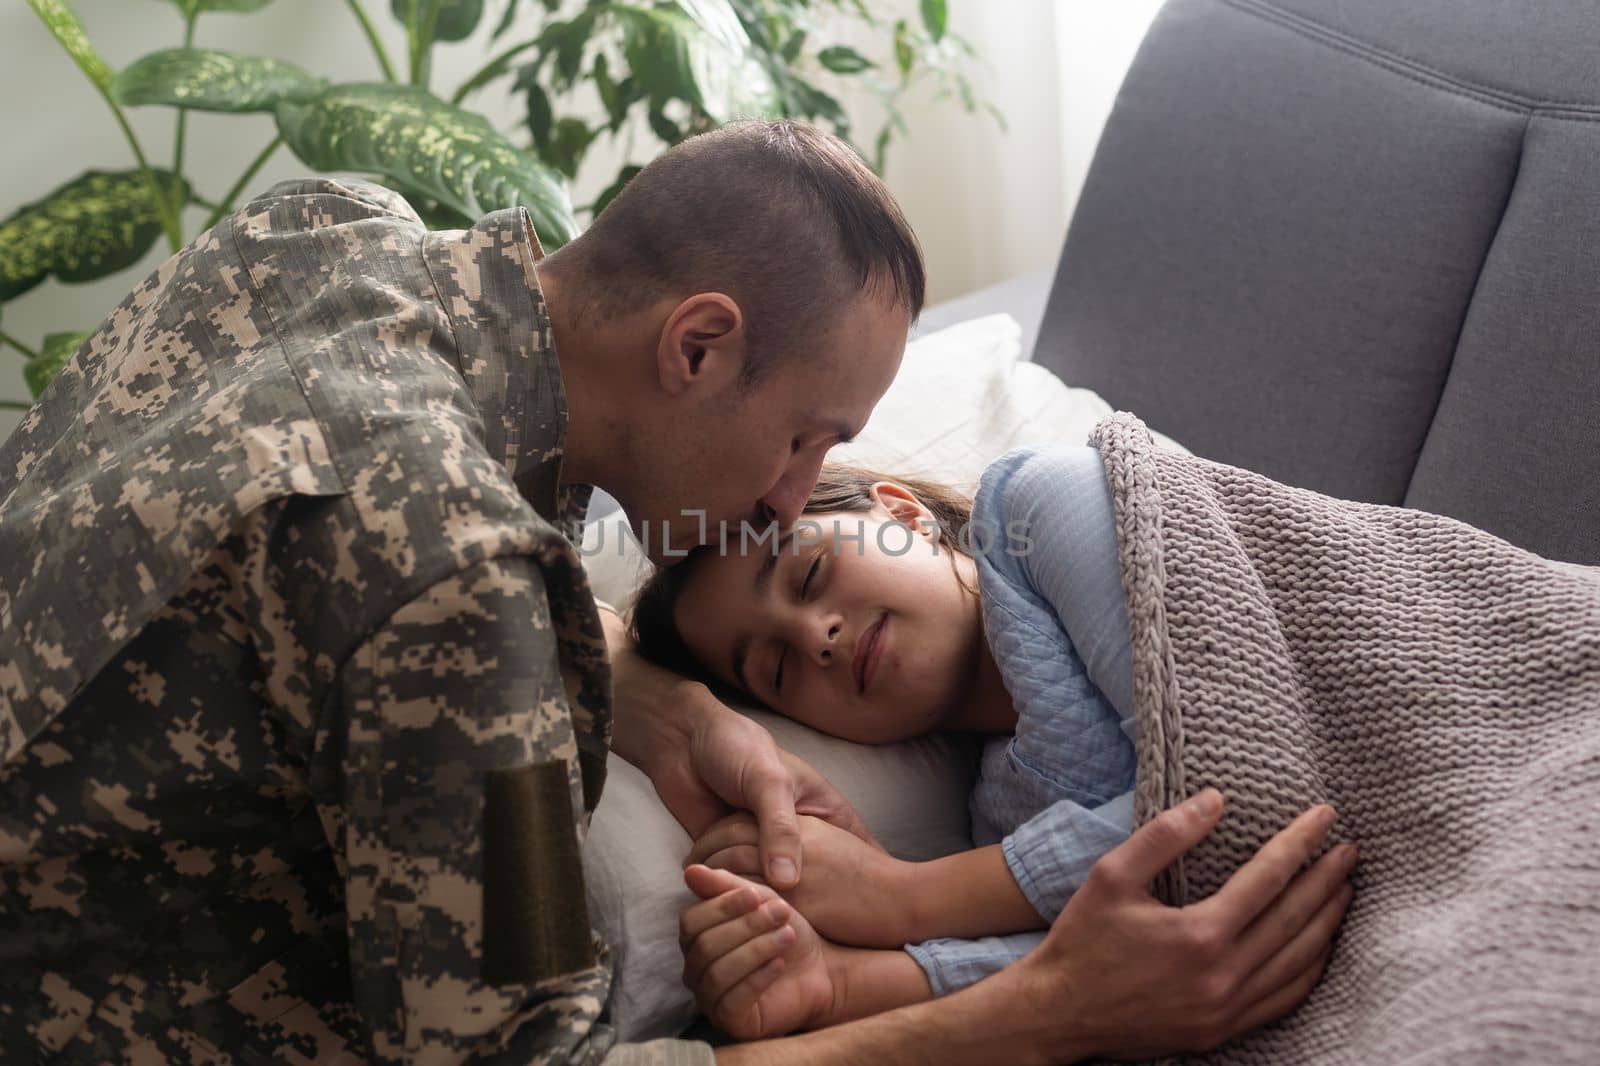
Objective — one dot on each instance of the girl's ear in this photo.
(903, 507)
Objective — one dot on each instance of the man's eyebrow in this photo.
(741, 647)
(842, 431)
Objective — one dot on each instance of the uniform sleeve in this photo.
(451, 794)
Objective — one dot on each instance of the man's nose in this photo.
(786, 501)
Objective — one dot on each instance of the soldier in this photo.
(304, 700)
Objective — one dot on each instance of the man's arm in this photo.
(1120, 975)
(706, 760)
(446, 771)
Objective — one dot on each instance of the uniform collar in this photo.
(506, 348)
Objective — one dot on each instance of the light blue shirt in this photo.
(1059, 793)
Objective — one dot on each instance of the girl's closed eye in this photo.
(811, 573)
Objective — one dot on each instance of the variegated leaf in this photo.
(203, 79)
(96, 224)
(422, 145)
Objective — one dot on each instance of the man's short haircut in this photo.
(785, 218)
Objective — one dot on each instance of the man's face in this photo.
(753, 452)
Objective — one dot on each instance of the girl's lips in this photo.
(869, 650)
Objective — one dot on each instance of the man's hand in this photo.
(1141, 980)
(852, 892)
(707, 760)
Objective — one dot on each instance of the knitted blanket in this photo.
(1439, 687)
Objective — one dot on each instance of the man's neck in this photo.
(581, 462)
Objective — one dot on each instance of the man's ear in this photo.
(903, 506)
(702, 342)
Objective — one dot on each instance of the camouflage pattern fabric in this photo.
(290, 616)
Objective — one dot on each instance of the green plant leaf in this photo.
(605, 85)
(506, 21)
(792, 47)
(904, 55)
(423, 145)
(625, 175)
(812, 102)
(56, 352)
(540, 118)
(569, 139)
(719, 21)
(570, 43)
(97, 224)
(238, 7)
(842, 59)
(671, 57)
(664, 127)
(935, 16)
(63, 23)
(456, 21)
(202, 79)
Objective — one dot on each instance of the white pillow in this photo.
(962, 399)
(913, 797)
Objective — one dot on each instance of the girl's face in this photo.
(859, 629)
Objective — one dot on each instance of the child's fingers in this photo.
(737, 828)
(741, 1003)
(742, 859)
(720, 977)
(717, 941)
(720, 908)
(707, 883)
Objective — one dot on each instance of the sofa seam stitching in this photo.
(1411, 69)
(1466, 314)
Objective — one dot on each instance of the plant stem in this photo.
(420, 38)
(6, 338)
(189, 19)
(169, 221)
(491, 70)
(244, 179)
(15, 405)
(372, 38)
(72, 38)
(411, 40)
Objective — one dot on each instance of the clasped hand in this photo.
(851, 891)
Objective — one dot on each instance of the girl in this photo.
(896, 608)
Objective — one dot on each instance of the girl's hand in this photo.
(850, 891)
(756, 967)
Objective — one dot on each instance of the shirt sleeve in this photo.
(952, 965)
(447, 773)
(1052, 853)
(1060, 496)
(1049, 855)
(1062, 546)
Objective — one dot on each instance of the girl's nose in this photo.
(826, 642)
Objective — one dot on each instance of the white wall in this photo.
(987, 205)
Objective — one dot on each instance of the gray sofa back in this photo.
(1355, 245)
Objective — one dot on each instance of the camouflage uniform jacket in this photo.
(304, 700)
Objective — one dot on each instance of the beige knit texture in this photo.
(1439, 687)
